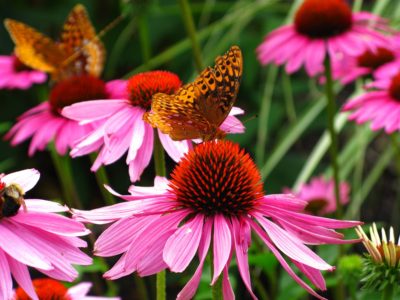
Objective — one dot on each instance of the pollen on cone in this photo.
(46, 289)
(217, 177)
(143, 86)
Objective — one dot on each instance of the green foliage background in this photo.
(289, 114)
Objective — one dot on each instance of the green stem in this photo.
(263, 118)
(388, 292)
(191, 31)
(331, 107)
(159, 165)
(64, 171)
(102, 179)
(217, 289)
(144, 38)
(288, 97)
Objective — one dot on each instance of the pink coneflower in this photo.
(381, 106)
(215, 194)
(381, 63)
(320, 195)
(48, 289)
(320, 28)
(34, 235)
(44, 122)
(124, 129)
(15, 75)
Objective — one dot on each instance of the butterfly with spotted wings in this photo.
(79, 50)
(197, 109)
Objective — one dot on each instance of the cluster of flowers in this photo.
(214, 198)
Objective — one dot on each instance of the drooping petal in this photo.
(21, 275)
(222, 244)
(6, 291)
(190, 288)
(182, 245)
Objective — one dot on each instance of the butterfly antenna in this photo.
(106, 29)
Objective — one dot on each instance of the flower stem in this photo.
(332, 132)
(63, 168)
(159, 165)
(217, 289)
(191, 31)
(102, 179)
(388, 292)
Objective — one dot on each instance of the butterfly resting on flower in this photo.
(79, 50)
(197, 109)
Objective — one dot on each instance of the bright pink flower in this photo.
(123, 129)
(380, 106)
(51, 289)
(34, 235)
(384, 62)
(320, 195)
(215, 194)
(320, 28)
(15, 75)
(44, 122)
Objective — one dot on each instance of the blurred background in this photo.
(285, 118)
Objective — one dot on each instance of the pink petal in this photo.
(190, 288)
(291, 246)
(227, 290)
(241, 240)
(21, 275)
(20, 249)
(89, 111)
(175, 149)
(284, 264)
(182, 245)
(6, 291)
(222, 245)
(26, 179)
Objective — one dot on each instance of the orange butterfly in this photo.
(197, 109)
(79, 50)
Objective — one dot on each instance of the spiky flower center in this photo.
(315, 206)
(217, 177)
(143, 86)
(76, 89)
(46, 289)
(394, 88)
(323, 18)
(374, 60)
(19, 66)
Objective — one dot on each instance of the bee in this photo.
(11, 199)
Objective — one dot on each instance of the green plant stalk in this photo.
(63, 168)
(318, 152)
(263, 117)
(288, 97)
(388, 292)
(331, 108)
(182, 46)
(384, 159)
(291, 136)
(191, 31)
(102, 179)
(216, 289)
(144, 38)
(159, 166)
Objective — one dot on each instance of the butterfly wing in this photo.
(178, 115)
(197, 109)
(33, 48)
(219, 86)
(86, 52)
